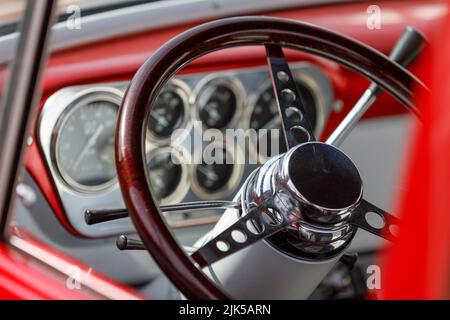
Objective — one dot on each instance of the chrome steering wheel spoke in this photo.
(257, 224)
(294, 121)
(375, 220)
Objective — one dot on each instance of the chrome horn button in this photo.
(324, 179)
(315, 188)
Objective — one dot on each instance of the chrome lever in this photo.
(98, 216)
(408, 47)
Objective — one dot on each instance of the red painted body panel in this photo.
(20, 279)
(418, 265)
(117, 59)
(23, 276)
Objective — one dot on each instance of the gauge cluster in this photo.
(77, 125)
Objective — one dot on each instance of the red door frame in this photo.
(418, 265)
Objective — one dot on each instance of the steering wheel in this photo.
(314, 182)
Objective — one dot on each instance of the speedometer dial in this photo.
(84, 149)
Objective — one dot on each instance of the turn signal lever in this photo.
(98, 216)
(408, 47)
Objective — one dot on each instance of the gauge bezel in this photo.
(184, 91)
(183, 187)
(309, 84)
(231, 82)
(96, 95)
(232, 183)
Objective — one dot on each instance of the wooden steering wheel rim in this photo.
(196, 42)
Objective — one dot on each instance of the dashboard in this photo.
(77, 125)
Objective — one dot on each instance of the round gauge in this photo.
(216, 177)
(219, 101)
(169, 112)
(167, 175)
(265, 115)
(84, 149)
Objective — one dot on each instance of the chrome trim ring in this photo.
(321, 213)
(232, 183)
(184, 92)
(319, 240)
(84, 98)
(229, 81)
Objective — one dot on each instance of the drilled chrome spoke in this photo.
(99, 216)
(257, 224)
(295, 123)
(375, 220)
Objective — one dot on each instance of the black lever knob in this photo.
(98, 216)
(408, 47)
(124, 243)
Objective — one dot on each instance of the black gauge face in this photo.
(265, 114)
(165, 175)
(215, 176)
(217, 104)
(85, 145)
(167, 113)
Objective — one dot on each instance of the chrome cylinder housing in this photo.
(316, 182)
